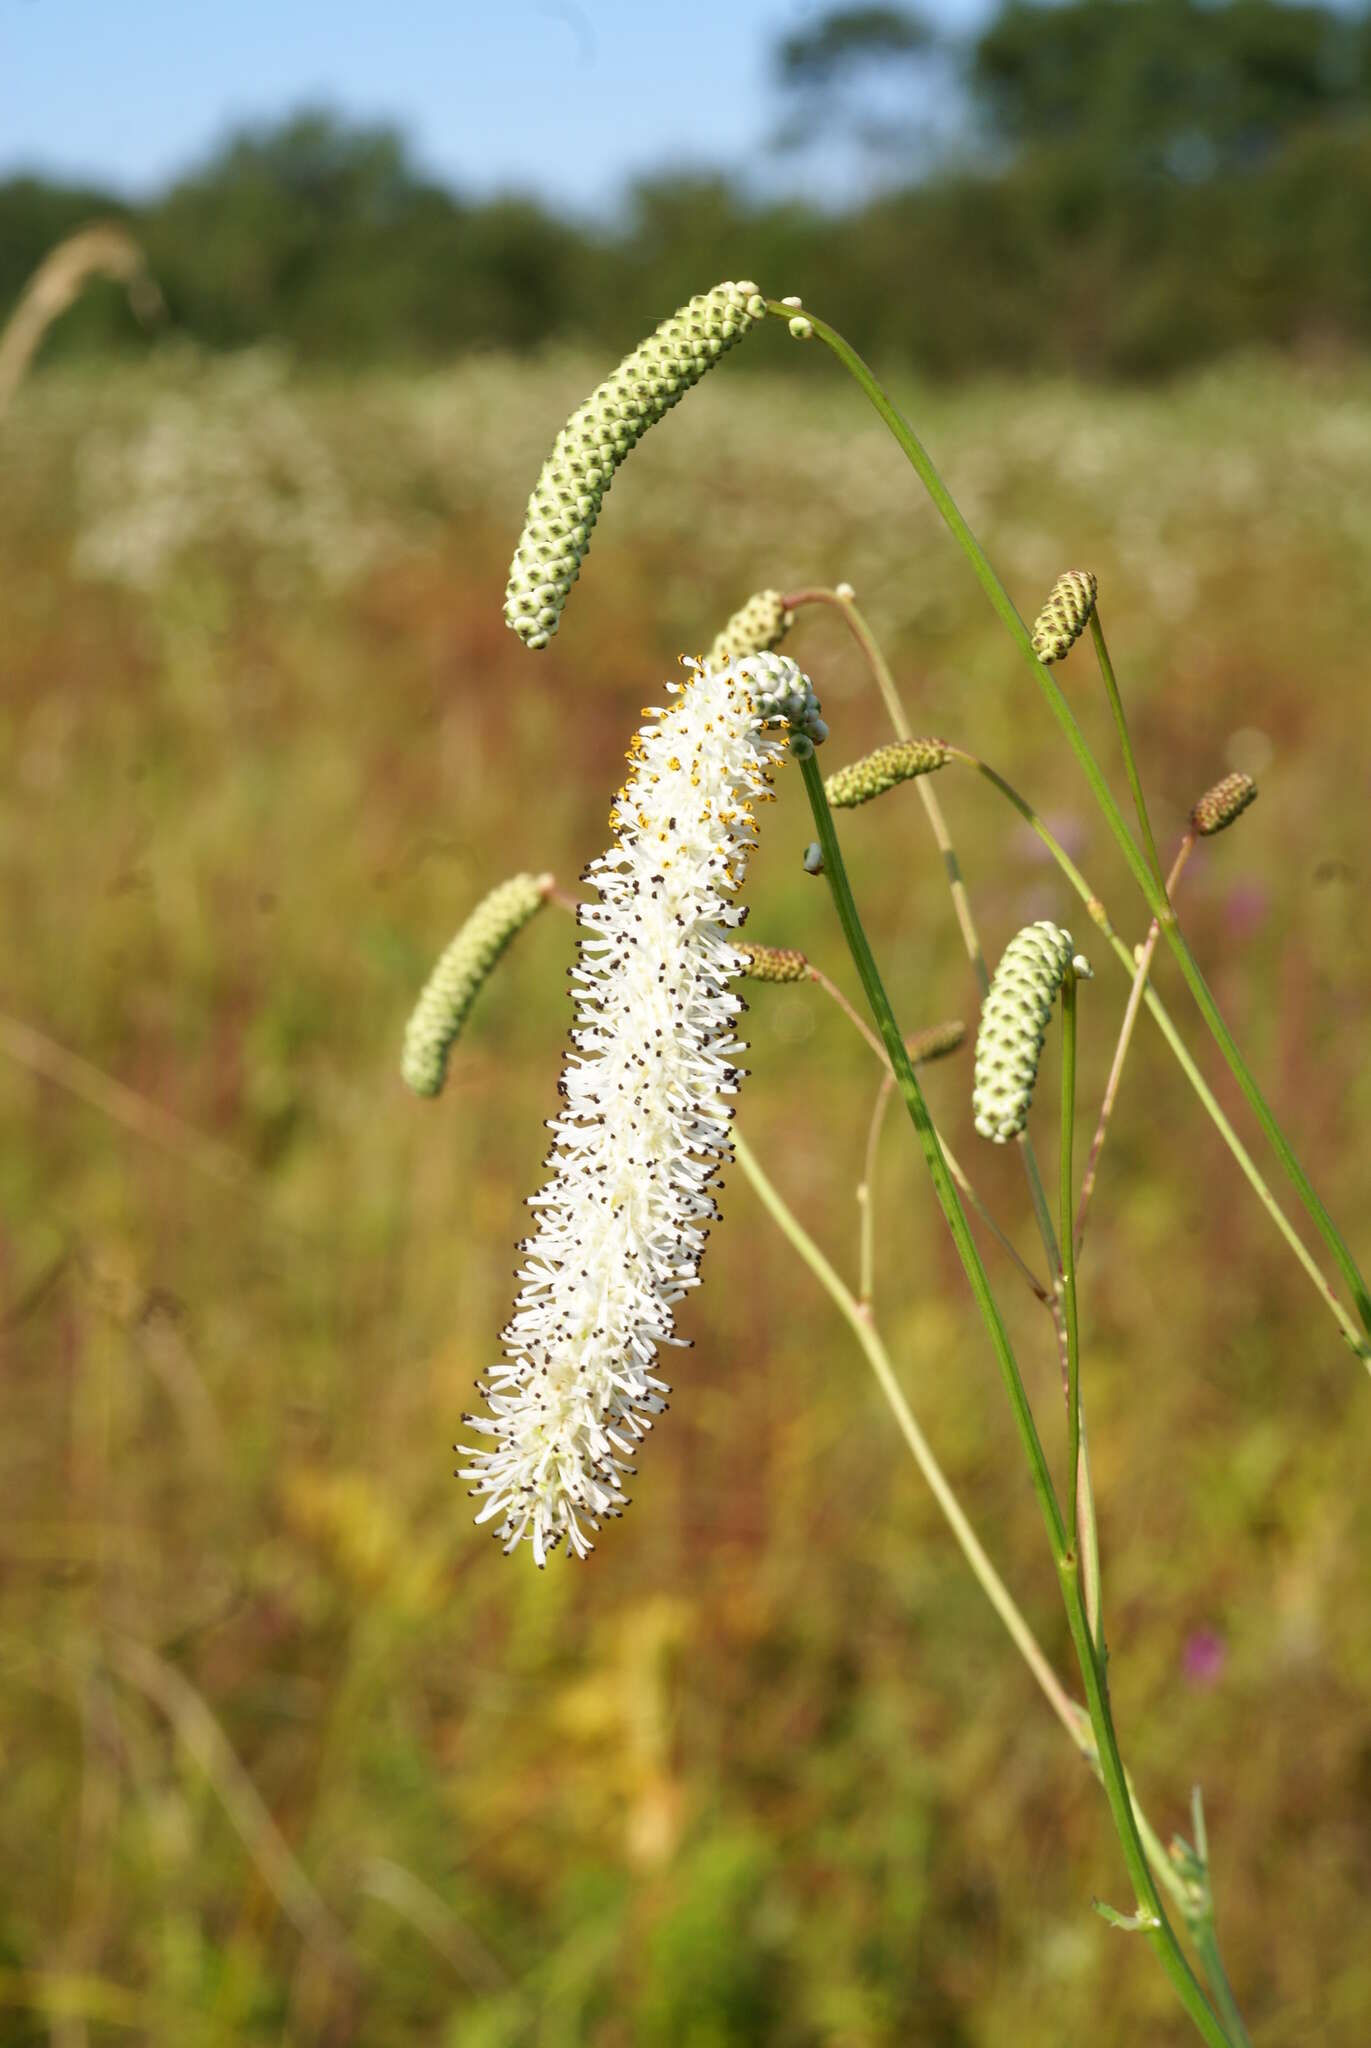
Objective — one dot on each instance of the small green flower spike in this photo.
(456, 981)
(773, 963)
(1065, 616)
(567, 496)
(1013, 1025)
(1219, 806)
(878, 772)
(761, 625)
(936, 1042)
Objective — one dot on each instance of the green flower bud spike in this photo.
(936, 1042)
(761, 625)
(567, 496)
(456, 981)
(878, 772)
(1014, 1018)
(773, 963)
(1219, 806)
(1065, 616)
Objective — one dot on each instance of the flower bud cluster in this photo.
(870, 777)
(1219, 806)
(456, 981)
(567, 496)
(786, 697)
(1065, 616)
(762, 624)
(773, 963)
(1014, 1018)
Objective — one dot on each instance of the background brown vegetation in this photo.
(765, 1769)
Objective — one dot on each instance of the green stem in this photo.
(836, 875)
(877, 1357)
(1211, 1962)
(1072, 1717)
(1129, 758)
(866, 640)
(1160, 1933)
(835, 994)
(1073, 1359)
(918, 458)
(1251, 1172)
(1126, 1029)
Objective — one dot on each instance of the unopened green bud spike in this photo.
(456, 981)
(773, 963)
(1065, 616)
(567, 497)
(935, 1042)
(1219, 806)
(878, 772)
(1014, 1018)
(762, 624)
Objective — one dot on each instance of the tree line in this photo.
(1126, 188)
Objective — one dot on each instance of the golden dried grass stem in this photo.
(43, 1056)
(205, 1742)
(104, 250)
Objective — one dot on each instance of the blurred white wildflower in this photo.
(224, 461)
(644, 1128)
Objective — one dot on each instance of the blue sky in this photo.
(562, 97)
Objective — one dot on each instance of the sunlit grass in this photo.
(752, 1774)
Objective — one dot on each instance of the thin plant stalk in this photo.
(857, 624)
(1152, 1914)
(859, 1320)
(1152, 890)
(1073, 1341)
(1130, 1018)
(1130, 760)
(866, 1201)
(866, 1195)
(885, 682)
(1181, 1052)
(1197, 1912)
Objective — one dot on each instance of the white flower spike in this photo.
(644, 1126)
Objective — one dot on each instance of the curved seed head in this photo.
(567, 497)
(455, 982)
(936, 1042)
(1014, 1018)
(1219, 806)
(878, 772)
(761, 625)
(773, 963)
(1065, 616)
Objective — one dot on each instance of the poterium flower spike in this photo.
(772, 963)
(1014, 1018)
(567, 497)
(875, 773)
(644, 1126)
(1219, 806)
(935, 1041)
(760, 625)
(456, 981)
(1065, 616)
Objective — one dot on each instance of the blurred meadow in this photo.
(292, 1754)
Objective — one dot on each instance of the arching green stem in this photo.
(1159, 1931)
(1152, 890)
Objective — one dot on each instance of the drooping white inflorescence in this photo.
(644, 1126)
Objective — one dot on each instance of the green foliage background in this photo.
(1117, 188)
(765, 1769)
